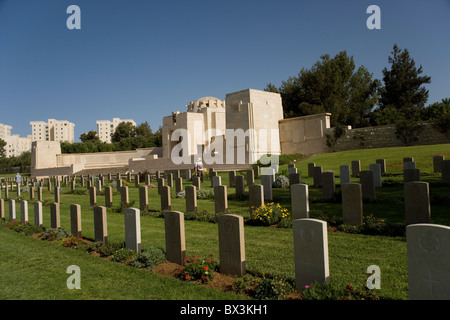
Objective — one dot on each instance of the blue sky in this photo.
(143, 59)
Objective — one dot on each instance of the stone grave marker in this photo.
(133, 229)
(75, 220)
(220, 199)
(428, 259)
(310, 252)
(382, 163)
(57, 194)
(239, 185)
(250, 177)
(38, 217)
(328, 184)
(124, 198)
(376, 169)
(437, 163)
(174, 236)
(352, 204)
(417, 202)
(317, 176)
(24, 211)
(136, 180)
(300, 201)
(231, 244)
(191, 198)
(311, 166)
(100, 224)
(410, 175)
(39, 193)
(92, 196)
(169, 177)
(256, 170)
(55, 217)
(344, 174)
(356, 168)
(266, 181)
(108, 197)
(231, 175)
(178, 184)
(143, 198)
(445, 167)
(409, 165)
(216, 181)
(196, 182)
(165, 198)
(255, 197)
(2, 208)
(367, 184)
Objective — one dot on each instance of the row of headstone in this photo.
(427, 244)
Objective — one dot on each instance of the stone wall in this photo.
(305, 135)
(312, 134)
(383, 136)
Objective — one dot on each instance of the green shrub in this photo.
(205, 194)
(408, 131)
(30, 229)
(327, 291)
(245, 284)
(124, 255)
(273, 289)
(54, 234)
(149, 258)
(106, 249)
(374, 226)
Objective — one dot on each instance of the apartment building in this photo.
(53, 130)
(105, 128)
(15, 144)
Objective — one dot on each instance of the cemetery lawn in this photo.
(269, 250)
(33, 269)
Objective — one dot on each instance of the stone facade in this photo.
(230, 134)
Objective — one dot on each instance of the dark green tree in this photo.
(2, 148)
(403, 96)
(144, 130)
(124, 130)
(331, 85)
(91, 136)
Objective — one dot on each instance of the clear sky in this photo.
(143, 59)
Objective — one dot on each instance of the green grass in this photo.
(268, 250)
(35, 269)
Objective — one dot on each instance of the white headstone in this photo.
(428, 248)
(310, 252)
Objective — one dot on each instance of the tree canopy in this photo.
(91, 136)
(403, 96)
(331, 85)
(126, 137)
(2, 148)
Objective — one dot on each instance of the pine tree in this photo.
(403, 96)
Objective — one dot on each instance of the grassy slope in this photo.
(268, 250)
(35, 269)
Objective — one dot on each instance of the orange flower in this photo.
(205, 268)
